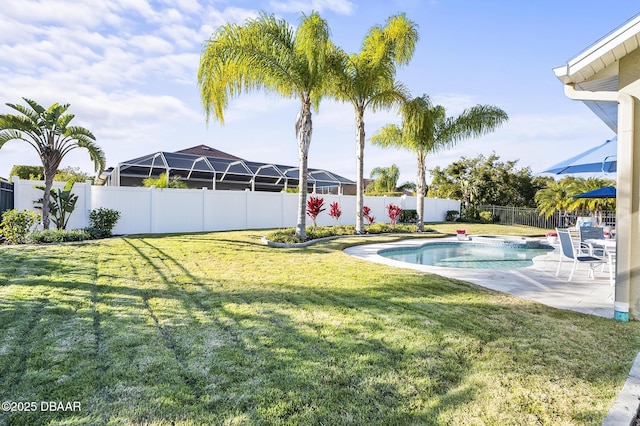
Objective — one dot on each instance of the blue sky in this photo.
(128, 68)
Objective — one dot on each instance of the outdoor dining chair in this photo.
(578, 252)
(592, 233)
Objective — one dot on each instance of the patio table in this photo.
(610, 250)
(607, 244)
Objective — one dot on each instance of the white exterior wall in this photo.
(153, 210)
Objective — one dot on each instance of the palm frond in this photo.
(95, 153)
(32, 114)
(473, 122)
(389, 136)
(264, 54)
(402, 34)
(390, 94)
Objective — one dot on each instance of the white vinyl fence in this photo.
(153, 210)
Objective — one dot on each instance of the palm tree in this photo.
(593, 205)
(385, 178)
(426, 129)
(267, 54)
(367, 80)
(554, 198)
(49, 133)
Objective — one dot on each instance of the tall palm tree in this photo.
(367, 80)
(49, 133)
(268, 54)
(426, 129)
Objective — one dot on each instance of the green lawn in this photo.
(218, 329)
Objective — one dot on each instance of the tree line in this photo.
(489, 181)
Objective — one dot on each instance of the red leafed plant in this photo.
(366, 212)
(393, 212)
(334, 211)
(315, 205)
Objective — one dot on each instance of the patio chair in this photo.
(579, 252)
(597, 233)
(593, 233)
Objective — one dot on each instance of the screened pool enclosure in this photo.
(221, 171)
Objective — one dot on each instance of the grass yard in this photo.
(218, 329)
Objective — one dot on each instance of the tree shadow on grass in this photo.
(383, 353)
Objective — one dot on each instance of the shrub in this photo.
(27, 172)
(452, 215)
(161, 182)
(16, 225)
(335, 212)
(366, 212)
(381, 228)
(393, 212)
(61, 204)
(471, 214)
(288, 235)
(486, 217)
(102, 221)
(315, 206)
(408, 216)
(59, 235)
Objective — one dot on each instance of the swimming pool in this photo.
(467, 255)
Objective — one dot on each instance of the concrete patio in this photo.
(537, 282)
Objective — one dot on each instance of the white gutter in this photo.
(585, 95)
(624, 206)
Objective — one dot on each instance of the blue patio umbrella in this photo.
(604, 192)
(601, 158)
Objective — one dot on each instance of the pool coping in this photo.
(536, 282)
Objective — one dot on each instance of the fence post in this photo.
(282, 209)
(87, 202)
(246, 208)
(16, 191)
(152, 209)
(204, 207)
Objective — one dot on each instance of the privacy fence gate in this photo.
(6, 196)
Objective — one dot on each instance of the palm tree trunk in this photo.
(49, 172)
(303, 134)
(360, 169)
(420, 190)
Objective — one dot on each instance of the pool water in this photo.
(467, 255)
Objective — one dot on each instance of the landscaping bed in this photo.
(287, 235)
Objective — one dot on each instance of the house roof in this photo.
(207, 151)
(596, 68)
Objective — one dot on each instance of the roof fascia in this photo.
(594, 56)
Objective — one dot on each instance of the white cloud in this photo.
(454, 103)
(151, 44)
(343, 7)
(189, 6)
(70, 13)
(213, 17)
